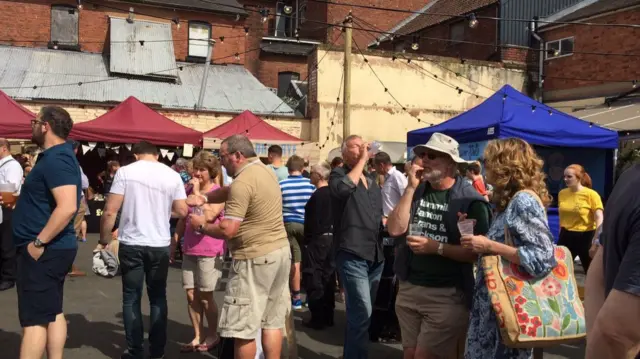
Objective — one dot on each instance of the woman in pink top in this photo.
(202, 256)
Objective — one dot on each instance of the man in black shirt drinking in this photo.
(357, 213)
(318, 265)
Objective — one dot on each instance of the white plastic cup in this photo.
(466, 227)
(374, 148)
(416, 229)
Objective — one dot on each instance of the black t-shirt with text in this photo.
(621, 235)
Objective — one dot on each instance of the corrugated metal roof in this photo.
(141, 48)
(230, 88)
(599, 7)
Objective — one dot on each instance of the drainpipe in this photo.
(534, 33)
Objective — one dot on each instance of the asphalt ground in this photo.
(93, 308)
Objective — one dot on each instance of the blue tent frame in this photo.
(509, 113)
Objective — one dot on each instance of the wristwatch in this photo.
(440, 248)
(38, 243)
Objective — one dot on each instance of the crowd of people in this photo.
(291, 228)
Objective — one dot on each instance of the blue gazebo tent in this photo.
(509, 113)
(560, 139)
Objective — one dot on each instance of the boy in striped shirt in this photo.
(296, 191)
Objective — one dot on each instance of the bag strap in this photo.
(507, 235)
(2, 165)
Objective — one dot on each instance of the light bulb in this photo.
(79, 4)
(473, 21)
(237, 56)
(288, 9)
(246, 31)
(415, 46)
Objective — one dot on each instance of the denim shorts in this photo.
(40, 284)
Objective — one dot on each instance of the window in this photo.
(199, 35)
(559, 48)
(456, 31)
(284, 80)
(64, 27)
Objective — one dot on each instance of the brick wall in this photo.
(31, 20)
(200, 121)
(272, 64)
(484, 33)
(595, 39)
(383, 20)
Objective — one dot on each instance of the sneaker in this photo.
(296, 304)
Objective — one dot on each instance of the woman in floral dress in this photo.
(511, 167)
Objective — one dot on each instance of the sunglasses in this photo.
(430, 155)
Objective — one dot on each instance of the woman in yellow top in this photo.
(581, 214)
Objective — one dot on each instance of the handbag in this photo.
(535, 312)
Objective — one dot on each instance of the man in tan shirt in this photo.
(257, 294)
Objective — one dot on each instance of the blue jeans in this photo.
(140, 264)
(360, 279)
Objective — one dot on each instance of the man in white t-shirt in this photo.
(150, 193)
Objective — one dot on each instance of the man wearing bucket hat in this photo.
(435, 272)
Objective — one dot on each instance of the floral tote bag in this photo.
(534, 312)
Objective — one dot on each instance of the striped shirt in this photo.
(296, 191)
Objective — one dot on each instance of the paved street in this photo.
(93, 308)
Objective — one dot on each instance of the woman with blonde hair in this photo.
(581, 214)
(520, 195)
(202, 258)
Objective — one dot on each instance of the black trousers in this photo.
(318, 267)
(578, 244)
(7, 248)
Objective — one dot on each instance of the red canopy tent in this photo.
(259, 131)
(15, 120)
(132, 121)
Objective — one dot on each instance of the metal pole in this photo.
(346, 124)
(205, 75)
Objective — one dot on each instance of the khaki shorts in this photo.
(295, 233)
(203, 273)
(435, 319)
(257, 295)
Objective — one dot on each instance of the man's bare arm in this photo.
(594, 290)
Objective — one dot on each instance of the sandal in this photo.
(204, 347)
(189, 348)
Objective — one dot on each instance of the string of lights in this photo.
(434, 76)
(314, 68)
(386, 89)
(335, 110)
(634, 83)
(180, 68)
(470, 16)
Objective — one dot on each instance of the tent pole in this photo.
(205, 75)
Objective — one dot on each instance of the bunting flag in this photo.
(85, 149)
(128, 145)
(92, 145)
(164, 152)
(170, 156)
(102, 152)
(116, 150)
(107, 145)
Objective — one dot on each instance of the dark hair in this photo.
(382, 158)
(295, 164)
(144, 148)
(275, 150)
(474, 167)
(58, 119)
(337, 161)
